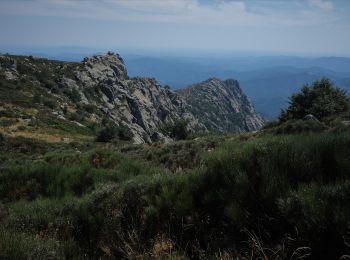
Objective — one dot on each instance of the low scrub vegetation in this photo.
(177, 129)
(268, 196)
(111, 132)
(280, 193)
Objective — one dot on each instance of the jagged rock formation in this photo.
(140, 103)
(221, 106)
(99, 87)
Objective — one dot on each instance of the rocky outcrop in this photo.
(9, 67)
(99, 87)
(140, 103)
(221, 106)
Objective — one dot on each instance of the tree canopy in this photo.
(321, 99)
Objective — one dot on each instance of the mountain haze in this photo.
(267, 80)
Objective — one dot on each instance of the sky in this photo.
(320, 27)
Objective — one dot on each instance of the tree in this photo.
(321, 99)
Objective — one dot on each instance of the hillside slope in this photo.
(87, 93)
(56, 100)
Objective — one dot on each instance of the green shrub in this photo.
(76, 117)
(321, 215)
(14, 245)
(269, 195)
(322, 99)
(296, 127)
(50, 103)
(107, 134)
(8, 122)
(112, 132)
(73, 94)
(37, 98)
(49, 180)
(177, 130)
(49, 84)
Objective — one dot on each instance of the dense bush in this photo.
(14, 245)
(50, 103)
(296, 127)
(107, 134)
(321, 99)
(177, 130)
(29, 182)
(37, 98)
(73, 94)
(176, 156)
(112, 132)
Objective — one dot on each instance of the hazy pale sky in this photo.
(282, 26)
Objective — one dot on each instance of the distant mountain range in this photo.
(268, 81)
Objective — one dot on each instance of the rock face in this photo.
(9, 66)
(140, 103)
(99, 88)
(221, 106)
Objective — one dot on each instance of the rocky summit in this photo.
(138, 103)
(99, 89)
(221, 106)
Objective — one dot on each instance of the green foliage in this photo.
(79, 117)
(276, 194)
(176, 156)
(15, 245)
(64, 125)
(37, 98)
(89, 108)
(112, 132)
(26, 182)
(177, 130)
(50, 103)
(73, 94)
(321, 99)
(107, 134)
(296, 127)
(267, 185)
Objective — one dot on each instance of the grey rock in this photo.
(139, 103)
(222, 106)
(11, 75)
(310, 117)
